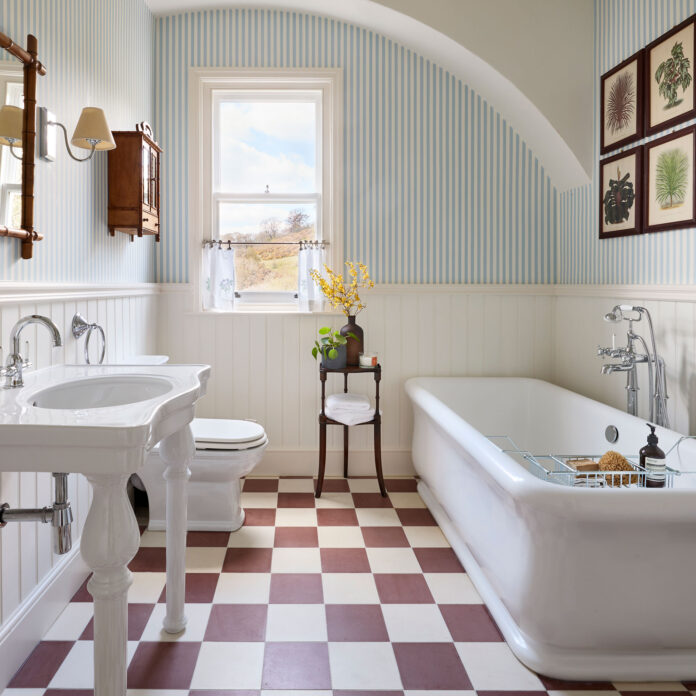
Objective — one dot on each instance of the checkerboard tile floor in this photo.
(346, 595)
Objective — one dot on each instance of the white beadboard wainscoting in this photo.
(36, 584)
(263, 368)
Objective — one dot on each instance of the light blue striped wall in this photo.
(437, 187)
(98, 53)
(621, 28)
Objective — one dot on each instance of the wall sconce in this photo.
(91, 133)
(11, 128)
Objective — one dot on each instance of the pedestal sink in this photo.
(100, 420)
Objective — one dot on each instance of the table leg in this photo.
(345, 451)
(378, 456)
(176, 451)
(322, 459)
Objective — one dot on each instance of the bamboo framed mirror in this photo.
(31, 67)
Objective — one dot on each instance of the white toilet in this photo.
(226, 450)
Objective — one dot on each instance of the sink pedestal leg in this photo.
(176, 451)
(110, 539)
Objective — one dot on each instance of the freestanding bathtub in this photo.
(584, 583)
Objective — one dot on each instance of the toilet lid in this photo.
(221, 431)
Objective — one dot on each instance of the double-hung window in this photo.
(269, 165)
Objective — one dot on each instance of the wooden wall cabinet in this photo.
(134, 183)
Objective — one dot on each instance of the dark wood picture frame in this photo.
(639, 59)
(638, 183)
(648, 147)
(650, 83)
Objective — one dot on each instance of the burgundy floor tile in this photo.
(402, 588)
(138, 616)
(219, 539)
(296, 666)
(200, 588)
(340, 692)
(470, 623)
(553, 684)
(356, 622)
(402, 485)
(336, 518)
(247, 560)
(430, 666)
(296, 500)
(296, 588)
(163, 665)
(651, 693)
(370, 500)
(438, 561)
(41, 666)
(259, 517)
(344, 561)
(222, 692)
(690, 685)
(515, 693)
(416, 517)
(297, 537)
(334, 485)
(149, 560)
(269, 485)
(82, 595)
(384, 537)
(237, 622)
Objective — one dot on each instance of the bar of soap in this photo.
(583, 464)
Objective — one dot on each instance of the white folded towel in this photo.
(351, 402)
(348, 417)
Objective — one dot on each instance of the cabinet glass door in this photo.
(146, 175)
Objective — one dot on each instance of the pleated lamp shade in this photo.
(92, 126)
(11, 125)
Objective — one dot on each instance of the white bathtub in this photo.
(584, 583)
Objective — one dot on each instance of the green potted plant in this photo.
(332, 347)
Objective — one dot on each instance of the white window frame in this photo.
(8, 74)
(204, 85)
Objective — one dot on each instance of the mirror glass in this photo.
(11, 92)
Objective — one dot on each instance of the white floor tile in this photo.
(377, 517)
(363, 666)
(452, 588)
(252, 537)
(243, 588)
(22, 692)
(415, 623)
(296, 622)
(294, 692)
(149, 539)
(406, 500)
(72, 622)
(156, 692)
(259, 500)
(369, 485)
(340, 537)
(296, 517)
(442, 693)
(204, 559)
(649, 686)
(197, 616)
(229, 666)
(430, 537)
(349, 588)
(338, 501)
(296, 485)
(146, 588)
(493, 667)
(295, 560)
(77, 669)
(393, 561)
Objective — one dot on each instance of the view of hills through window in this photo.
(267, 186)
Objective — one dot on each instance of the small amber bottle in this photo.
(652, 460)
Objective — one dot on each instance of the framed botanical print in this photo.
(669, 78)
(669, 181)
(621, 198)
(622, 104)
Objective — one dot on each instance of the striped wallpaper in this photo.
(98, 53)
(438, 188)
(622, 28)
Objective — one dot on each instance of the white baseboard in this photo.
(28, 624)
(306, 463)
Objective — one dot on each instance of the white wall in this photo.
(26, 556)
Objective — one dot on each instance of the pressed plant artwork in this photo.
(672, 74)
(620, 203)
(671, 178)
(618, 198)
(621, 102)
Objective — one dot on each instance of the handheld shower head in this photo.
(615, 316)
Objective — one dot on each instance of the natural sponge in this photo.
(613, 461)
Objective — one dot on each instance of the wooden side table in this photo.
(324, 420)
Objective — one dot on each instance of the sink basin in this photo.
(101, 392)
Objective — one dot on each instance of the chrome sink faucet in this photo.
(13, 370)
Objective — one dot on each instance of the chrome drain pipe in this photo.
(59, 515)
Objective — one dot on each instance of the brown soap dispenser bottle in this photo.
(652, 460)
